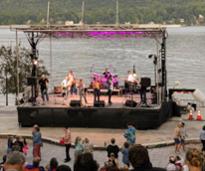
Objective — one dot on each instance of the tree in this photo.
(8, 59)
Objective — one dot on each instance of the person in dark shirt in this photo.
(17, 145)
(139, 158)
(43, 82)
(112, 148)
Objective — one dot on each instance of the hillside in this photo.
(103, 11)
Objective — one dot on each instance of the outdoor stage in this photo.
(58, 113)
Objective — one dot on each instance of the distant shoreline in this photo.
(140, 25)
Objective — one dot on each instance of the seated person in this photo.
(132, 81)
(106, 73)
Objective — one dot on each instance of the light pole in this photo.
(6, 85)
(155, 66)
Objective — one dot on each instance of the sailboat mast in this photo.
(48, 14)
(117, 13)
(82, 12)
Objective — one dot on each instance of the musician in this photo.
(110, 89)
(106, 73)
(43, 82)
(70, 77)
(96, 90)
(129, 82)
(64, 85)
(82, 93)
(73, 88)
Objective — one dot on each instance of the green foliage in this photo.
(8, 60)
(103, 11)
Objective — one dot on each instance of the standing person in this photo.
(130, 134)
(82, 93)
(96, 90)
(9, 144)
(43, 82)
(202, 137)
(70, 78)
(183, 135)
(110, 89)
(37, 141)
(78, 147)
(87, 146)
(112, 148)
(67, 142)
(25, 146)
(125, 157)
(177, 138)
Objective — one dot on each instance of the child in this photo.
(25, 146)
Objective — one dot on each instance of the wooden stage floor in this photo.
(56, 100)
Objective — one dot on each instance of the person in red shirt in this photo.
(67, 142)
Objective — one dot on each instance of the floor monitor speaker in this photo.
(75, 103)
(100, 103)
(130, 103)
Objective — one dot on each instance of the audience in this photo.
(85, 162)
(87, 146)
(195, 160)
(112, 148)
(171, 165)
(52, 165)
(35, 166)
(134, 154)
(14, 161)
(63, 168)
(125, 152)
(139, 159)
(78, 147)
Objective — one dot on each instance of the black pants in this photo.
(96, 95)
(143, 95)
(109, 96)
(203, 143)
(67, 150)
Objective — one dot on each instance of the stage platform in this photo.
(58, 113)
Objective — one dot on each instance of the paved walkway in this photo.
(159, 156)
(100, 137)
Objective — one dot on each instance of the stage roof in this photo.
(90, 31)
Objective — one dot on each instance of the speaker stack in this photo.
(75, 103)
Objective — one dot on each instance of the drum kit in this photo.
(104, 79)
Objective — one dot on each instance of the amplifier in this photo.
(130, 103)
(75, 103)
(145, 82)
(101, 103)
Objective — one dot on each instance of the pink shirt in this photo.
(67, 137)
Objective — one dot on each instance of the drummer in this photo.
(106, 73)
(132, 80)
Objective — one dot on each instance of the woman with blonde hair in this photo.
(195, 160)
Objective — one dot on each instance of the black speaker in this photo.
(31, 81)
(130, 103)
(75, 103)
(145, 82)
(100, 103)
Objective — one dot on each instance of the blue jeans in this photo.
(44, 92)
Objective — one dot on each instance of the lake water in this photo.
(185, 56)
